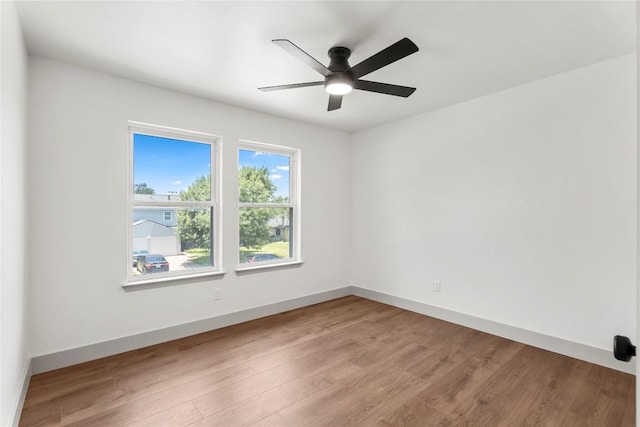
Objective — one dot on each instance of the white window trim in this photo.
(214, 141)
(164, 217)
(294, 155)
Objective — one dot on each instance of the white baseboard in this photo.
(14, 418)
(49, 362)
(598, 356)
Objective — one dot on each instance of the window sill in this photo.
(156, 282)
(255, 268)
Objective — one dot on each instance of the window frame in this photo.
(214, 204)
(164, 216)
(294, 203)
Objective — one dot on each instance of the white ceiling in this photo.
(223, 50)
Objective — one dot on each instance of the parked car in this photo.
(152, 263)
(261, 257)
(137, 255)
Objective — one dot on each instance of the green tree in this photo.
(255, 187)
(194, 224)
(199, 191)
(143, 188)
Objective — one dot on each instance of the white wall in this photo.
(78, 178)
(13, 147)
(522, 203)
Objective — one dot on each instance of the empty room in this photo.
(318, 213)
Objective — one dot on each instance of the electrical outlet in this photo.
(437, 286)
(216, 294)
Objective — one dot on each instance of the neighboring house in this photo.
(161, 214)
(154, 237)
(279, 229)
(154, 227)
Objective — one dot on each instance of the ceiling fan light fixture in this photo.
(338, 84)
(338, 88)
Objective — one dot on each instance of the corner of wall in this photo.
(21, 393)
(351, 209)
(16, 365)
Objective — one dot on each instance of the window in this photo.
(269, 209)
(174, 211)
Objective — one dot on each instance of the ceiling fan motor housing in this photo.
(339, 66)
(339, 59)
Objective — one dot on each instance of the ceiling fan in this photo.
(340, 78)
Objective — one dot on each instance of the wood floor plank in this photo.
(137, 404)
(348, 361)
(178, 416)
(509, 392)
(629, 418)
(80, 392)
(412, 413)
(376, 401)
(459, 385)
(40, 416)
(605, 405)
(273, 420)
(563, 379)
(341, 397)
(262, 405)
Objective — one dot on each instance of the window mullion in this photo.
(171, 204)
(266, 205)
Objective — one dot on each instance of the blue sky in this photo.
(168, 165)
(277, 164)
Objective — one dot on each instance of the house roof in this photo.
(146, 227)
(158, 197)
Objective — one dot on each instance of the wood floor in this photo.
(349, 361)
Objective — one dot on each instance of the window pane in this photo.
(265, 234)
(170, 169)
(264, 177)
(182, 244)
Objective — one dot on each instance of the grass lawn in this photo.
(201, 256)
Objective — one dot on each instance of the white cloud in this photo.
(275, 177)
(178, 182)
(282, 168)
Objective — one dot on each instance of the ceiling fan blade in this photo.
(302, 56)
(291, 86)
(396, 51)
(335, 102)
(386, 88)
